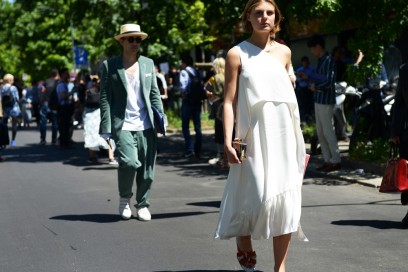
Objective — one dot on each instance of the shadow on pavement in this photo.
(212, 204)
(112, 218)
(172, 154)
(378, 224)
(202, 271)
(317, 179)
(178, 214)
(357, 204)
(77, 156)
(96, 218)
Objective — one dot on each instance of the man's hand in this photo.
(312, 87)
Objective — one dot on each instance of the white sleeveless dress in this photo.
(262, 196)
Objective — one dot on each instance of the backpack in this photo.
(195, 89)
(7, 99)
(53, 103)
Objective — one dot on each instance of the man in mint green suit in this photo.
(128, 92)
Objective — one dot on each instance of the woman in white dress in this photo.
(262, 197)
(92, 119)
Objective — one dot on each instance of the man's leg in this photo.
(43, 123)
(61, 126)
(197, 127)
(319, 131)
(147, 146)
(54, 126)
(126, 147)
(185, 124)
(329, 134)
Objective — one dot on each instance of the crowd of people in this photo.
(64, 101)
(254, 98)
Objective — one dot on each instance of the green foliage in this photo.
(376, 151)
(174, 120)
(308, 130)
(37, 35)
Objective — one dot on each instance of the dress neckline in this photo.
(260, 49)
(269, 54)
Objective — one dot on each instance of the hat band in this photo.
(129, 32)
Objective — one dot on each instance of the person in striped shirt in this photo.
(322, 86)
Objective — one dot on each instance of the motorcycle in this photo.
(340, 121)
(372, 112)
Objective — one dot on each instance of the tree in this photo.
(377, 23)
(36, 35)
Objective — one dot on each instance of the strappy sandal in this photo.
(247, 260)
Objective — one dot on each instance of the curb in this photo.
(363, 173)
(353, 171)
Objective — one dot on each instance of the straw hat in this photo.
(130, 30)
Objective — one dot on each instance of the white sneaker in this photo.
(113, 162)
(143, 214)
(213, 161)
(124, 208)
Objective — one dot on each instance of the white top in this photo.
(136, 112)
(163, 80)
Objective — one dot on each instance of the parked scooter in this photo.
(372, 113)
(340, 122)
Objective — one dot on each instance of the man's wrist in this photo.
(106, 136)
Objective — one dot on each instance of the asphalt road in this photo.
(59, 213)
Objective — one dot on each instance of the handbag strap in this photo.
(394, 150)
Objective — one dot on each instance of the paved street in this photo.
(59, 213)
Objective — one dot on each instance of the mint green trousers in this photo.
(137, 156)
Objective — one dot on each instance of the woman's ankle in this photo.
(244, 243)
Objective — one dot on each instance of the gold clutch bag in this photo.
(240, 147)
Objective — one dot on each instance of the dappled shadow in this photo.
(378, 224)
(327, 181)
(35, 153)
(76, 156)
(172, 154)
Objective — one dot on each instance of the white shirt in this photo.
(136, 112)
(163, 80)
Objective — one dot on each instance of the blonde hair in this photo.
(8, 78)
(246, 25)
(219, 66)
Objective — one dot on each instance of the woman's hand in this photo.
(231, 154)
(395, 139)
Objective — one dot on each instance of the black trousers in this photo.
(65, 124)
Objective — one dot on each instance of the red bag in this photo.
(395, 178)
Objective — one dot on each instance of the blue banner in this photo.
(81, 56)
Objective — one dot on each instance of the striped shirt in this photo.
(324, 79)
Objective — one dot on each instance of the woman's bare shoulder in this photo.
(233, 56)
(284, 49)
(233, 52)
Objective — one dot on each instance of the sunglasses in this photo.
(134, 39)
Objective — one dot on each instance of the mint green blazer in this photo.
(114, 93)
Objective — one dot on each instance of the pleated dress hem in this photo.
(266, 220)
